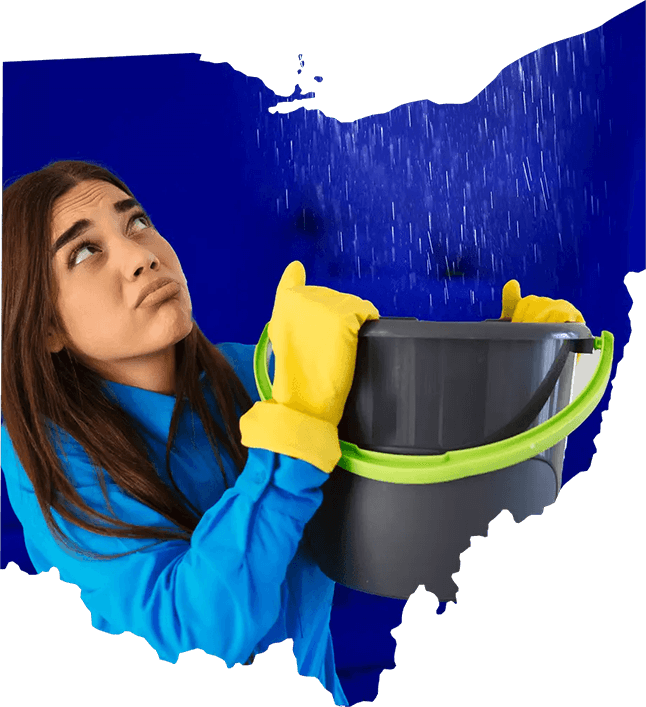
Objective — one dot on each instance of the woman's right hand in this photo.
(314, 333)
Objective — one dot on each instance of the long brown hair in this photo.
(37, 384)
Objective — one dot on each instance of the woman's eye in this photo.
(89, 244)
(143, 220)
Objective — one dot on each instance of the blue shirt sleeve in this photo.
(220, 592)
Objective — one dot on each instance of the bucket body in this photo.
(425, 388)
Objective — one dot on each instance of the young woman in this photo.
(135, 457)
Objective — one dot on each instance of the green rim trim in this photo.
(413, 469)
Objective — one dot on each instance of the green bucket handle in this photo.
(413, 469)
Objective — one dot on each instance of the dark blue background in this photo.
(426, 211)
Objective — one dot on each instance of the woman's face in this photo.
(100, 283)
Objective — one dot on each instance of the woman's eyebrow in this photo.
(81, 226)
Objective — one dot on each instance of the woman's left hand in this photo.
(536, 309)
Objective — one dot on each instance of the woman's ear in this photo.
(54, 341)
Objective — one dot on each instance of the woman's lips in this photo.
(161, 294)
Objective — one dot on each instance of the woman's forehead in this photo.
(81, 201)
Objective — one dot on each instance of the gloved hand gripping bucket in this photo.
(446, 425)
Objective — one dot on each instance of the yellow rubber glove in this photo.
(314, 334)
(536, 309)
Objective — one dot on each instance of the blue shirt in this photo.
(245, 579)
